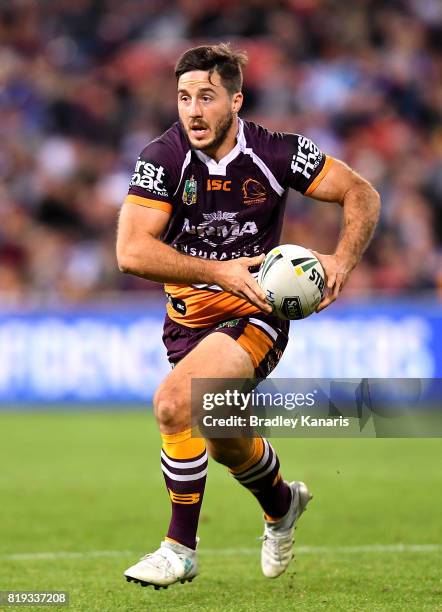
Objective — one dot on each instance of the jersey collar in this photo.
(220, 168)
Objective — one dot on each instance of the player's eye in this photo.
(207, 98)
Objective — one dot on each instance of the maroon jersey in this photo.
(223, 210)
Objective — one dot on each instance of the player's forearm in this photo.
(159, 262)
(361, 212)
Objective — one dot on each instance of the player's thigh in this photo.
(217, 356)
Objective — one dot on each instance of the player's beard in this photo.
(221, 130)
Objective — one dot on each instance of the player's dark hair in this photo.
(222, 58)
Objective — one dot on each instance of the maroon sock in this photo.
(261, 476)
(185, 480)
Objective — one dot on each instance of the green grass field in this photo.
(82, 497)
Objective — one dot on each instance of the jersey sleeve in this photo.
(305, 165)
(152, 183)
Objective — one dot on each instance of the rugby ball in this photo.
(293, 281)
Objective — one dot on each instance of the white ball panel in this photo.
(293, 280)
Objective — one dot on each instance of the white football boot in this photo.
(276, 552)
(171, 563)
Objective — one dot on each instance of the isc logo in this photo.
(218, 185)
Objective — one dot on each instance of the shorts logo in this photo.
(307, 158)
(220, 225)
(184, 498)
(253, 192)
(232, 323)
(150, 177)
(189, 192)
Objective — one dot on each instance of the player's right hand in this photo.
(234, 276)
(336, 273)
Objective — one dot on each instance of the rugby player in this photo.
(205, 203)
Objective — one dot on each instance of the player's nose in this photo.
(195, 109)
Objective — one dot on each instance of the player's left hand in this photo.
(336, 272)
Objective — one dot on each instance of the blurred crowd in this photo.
(84, 85)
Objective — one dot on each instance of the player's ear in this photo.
(237, 99)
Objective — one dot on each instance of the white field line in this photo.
(300, 550)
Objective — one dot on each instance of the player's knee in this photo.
(168, 408)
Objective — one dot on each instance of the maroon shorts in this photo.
(264, 337)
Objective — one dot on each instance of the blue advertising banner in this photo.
(116, 354)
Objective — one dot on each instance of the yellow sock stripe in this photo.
(182, 446)
(257, 453)
(167, 539)
(270, 519)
